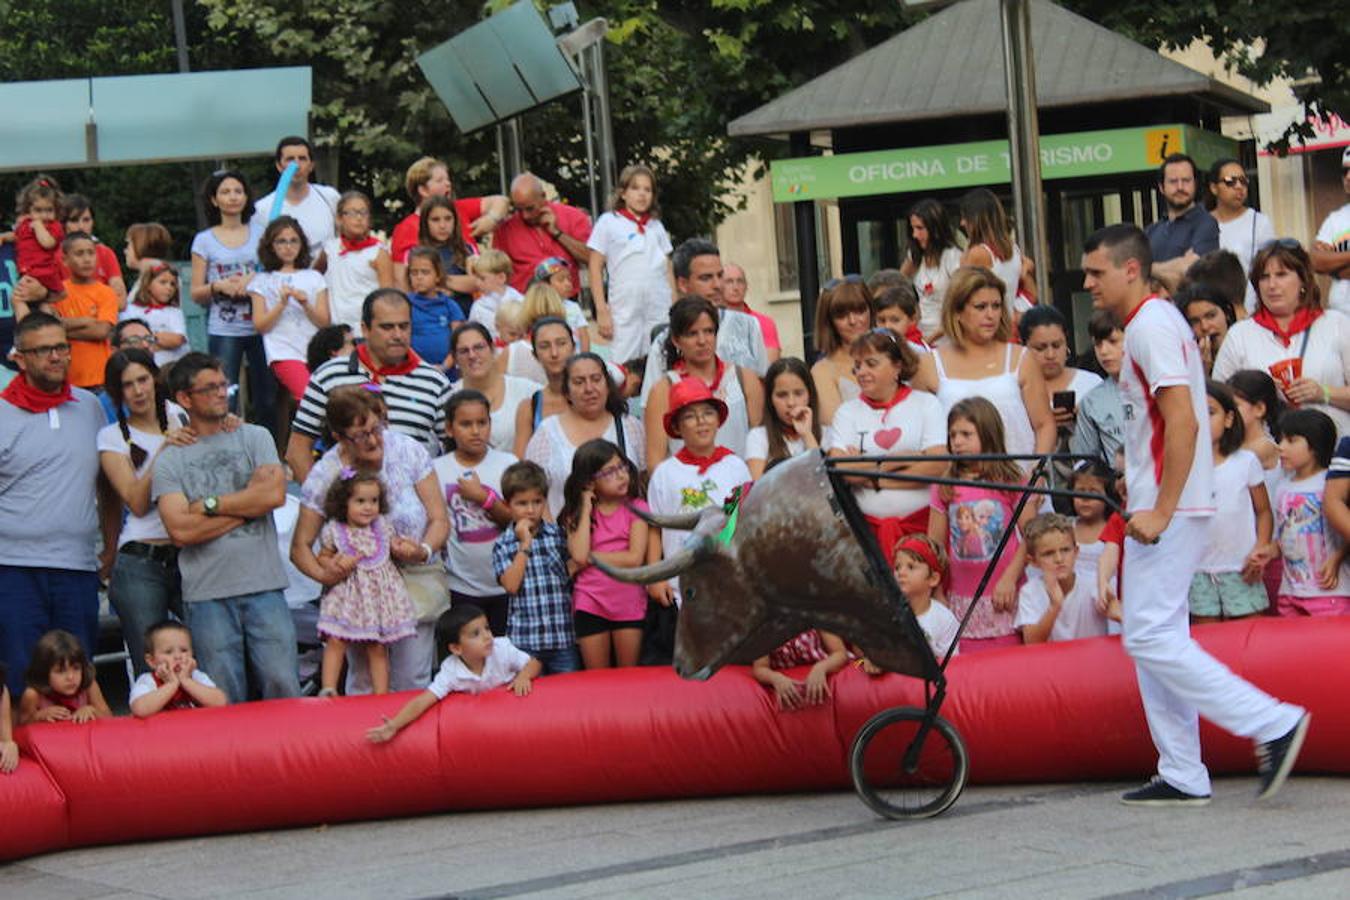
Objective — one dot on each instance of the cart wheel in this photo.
(900, 779)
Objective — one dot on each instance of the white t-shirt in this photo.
(931, 284)
(757, 444)
(1306, 538)
(1335, 232)
(631, 258)
(472, 531)
(317, 214)
(677, 487)
(484, 309)
(939, 626)
(910, 427)
(1232, 529)
(145, 684)
(1078, 616)
(1326, 360)
(504, 662)
(1160, 352)
(350, 277)
(148, 527)
(161, 318)
(290, 334)
(503, 435)
(1244, 236)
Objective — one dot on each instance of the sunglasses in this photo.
(847, 279)
(1235, 180)
(1283, 243)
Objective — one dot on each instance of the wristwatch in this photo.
(211, 505)
(556, 234)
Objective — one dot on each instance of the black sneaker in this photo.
(1159, 793)
(1275, 759)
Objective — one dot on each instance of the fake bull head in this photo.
(792, 562)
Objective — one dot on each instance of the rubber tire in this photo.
(941, 730)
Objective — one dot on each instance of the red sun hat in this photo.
(686, 392)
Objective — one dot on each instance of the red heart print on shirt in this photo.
(887, 438)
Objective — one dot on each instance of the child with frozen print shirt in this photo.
(471, 479)
(700, 475)
(1316, 580)
(1058, 606)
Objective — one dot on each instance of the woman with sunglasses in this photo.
(844, 313)
(1242, 230)
(417, 512)
(1303, 346)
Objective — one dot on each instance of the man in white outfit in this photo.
(1169, 476)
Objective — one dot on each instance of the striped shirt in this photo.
(416, 401)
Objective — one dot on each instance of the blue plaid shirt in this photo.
(541, 611)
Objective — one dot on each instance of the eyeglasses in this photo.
(613, 471)
(1235, 180)
(474, 349)
(286, 242)
(216, 387)
(360, 437)
(47, 350)
(355, 213)
(847, 279)
(699, 414)
(138, 340)
(887, 333)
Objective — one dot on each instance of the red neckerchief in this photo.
(382, 372)
(28, 398)
(640, 221)
(682, 368)
(915, 336)
(704, 463)
(71, 703)
(901, 392)
(180, 699)
(351, 246)
(1302, 321)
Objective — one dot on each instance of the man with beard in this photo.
(414, 392)
(1189, 231)
(216, 497)
(48, 469)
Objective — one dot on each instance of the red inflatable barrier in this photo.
(1057, 712)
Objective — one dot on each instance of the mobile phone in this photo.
(1063, 399)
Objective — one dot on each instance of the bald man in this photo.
(539, 229)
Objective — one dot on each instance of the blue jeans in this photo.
(250, 636)
(559, 661)
(34, 601)
(262, 385)
(143, 592)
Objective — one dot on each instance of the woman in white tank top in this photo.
(932, 257)
(979, 359)
(991, 245)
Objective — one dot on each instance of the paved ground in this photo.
(1039, 841)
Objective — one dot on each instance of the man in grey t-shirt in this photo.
(216, 498)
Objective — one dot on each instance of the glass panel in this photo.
(871, 246)
(1079, 220)
(44, 123)
(785, 242)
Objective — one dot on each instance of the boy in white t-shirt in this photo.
(1058, 606)
(478, 662)
(494, 270)
(174, 681)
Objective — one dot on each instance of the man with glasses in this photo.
(539, 229)
(48, 470)
(1189, 231)
(216, 497)
(314, 206)
(1331, 248)
(414, 392)
(734, 288)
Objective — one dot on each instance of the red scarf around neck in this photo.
(682, 368)
(915, 336)
(382, 372)
(902, 391)
(351, 246)
(640, 221)
(1302, 321)
(22, 394)
(702, 463)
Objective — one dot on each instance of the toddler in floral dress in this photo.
(370, 604)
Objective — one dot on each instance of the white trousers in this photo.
(1179, 681)
(636, 309)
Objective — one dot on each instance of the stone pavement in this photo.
(1023, 841)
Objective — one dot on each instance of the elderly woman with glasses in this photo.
(1303, 346)
(417, 513)
(844, 312)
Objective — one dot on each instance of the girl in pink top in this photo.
(968, 522)
(600, 525)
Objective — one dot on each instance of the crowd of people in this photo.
(465, 441)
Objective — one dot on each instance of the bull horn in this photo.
(681, 522)
(664, 570)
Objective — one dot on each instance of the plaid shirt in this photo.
(541, 611)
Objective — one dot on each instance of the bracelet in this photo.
(427, 548)
(1326, 395)
(490, 500)
(556, 234)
